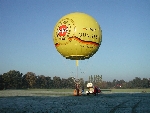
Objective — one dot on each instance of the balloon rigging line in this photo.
(67, 66)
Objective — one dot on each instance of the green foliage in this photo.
(16, 80)
(135, 83)
(12, 79)
(1, 83)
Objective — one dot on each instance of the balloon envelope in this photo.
(77, 36)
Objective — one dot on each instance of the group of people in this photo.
(77, 87)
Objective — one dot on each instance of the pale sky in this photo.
(26, 38)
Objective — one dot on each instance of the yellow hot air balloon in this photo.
(77, 36)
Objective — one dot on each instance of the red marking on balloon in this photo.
(80, 41)
(83, 41)
(57, 44)
(62, 30)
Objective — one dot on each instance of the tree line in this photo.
(137, 82)
(16, 80)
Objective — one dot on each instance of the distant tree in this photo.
(124, 85)
(122, 81)
(6, 80)
(56, 82)
(145, 83)
(130, 84)
(49, 82)
(12, 79)
(1, 83)
(30, 78)
(114, 83)
(70, 82)
(25, 83)
(41, 82)
(103, 85)
(137, 82)
(81, 82)
(109, 84)
(149, 83)
(64, 83)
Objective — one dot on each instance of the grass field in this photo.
(63, 101)
(62, 92)
(131, 90)
(103, 90)
(112, 90)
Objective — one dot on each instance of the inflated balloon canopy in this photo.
(77, 36)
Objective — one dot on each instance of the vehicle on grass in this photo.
(92, 89)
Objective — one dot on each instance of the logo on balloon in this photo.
(62, 30)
